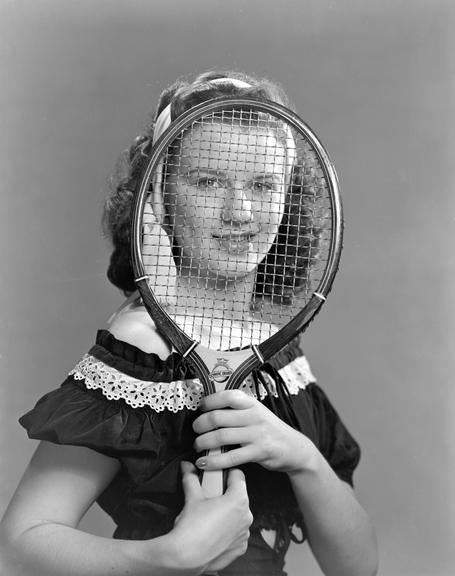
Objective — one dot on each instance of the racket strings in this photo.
(237, 227)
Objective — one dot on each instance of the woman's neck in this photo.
(220, 297)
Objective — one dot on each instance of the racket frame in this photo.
(243, 361)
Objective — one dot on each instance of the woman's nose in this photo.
(237, 206)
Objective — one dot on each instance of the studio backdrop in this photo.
(375, 80)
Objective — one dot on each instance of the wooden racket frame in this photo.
(244, 361)
(240, 363)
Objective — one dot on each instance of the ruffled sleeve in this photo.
(313, 413)
(74, 415)
(102, 403)
(335, 442)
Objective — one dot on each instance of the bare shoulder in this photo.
(131, 323)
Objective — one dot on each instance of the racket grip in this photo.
(213, 482)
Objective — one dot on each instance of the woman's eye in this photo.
(262, 186)
(208, 183)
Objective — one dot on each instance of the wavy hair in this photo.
(301, 243)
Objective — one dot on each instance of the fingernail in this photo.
(201, 463)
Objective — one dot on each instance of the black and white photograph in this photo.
(228, 288)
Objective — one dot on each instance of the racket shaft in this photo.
(213, 483)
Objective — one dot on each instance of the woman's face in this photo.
(225, 199)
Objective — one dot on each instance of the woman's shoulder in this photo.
(132, 324)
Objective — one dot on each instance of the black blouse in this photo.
(129, 405)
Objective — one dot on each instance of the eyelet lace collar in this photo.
(178, 394)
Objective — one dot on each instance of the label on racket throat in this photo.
(221, 364)
(221, 372)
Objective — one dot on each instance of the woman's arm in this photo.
(39, 535)
(339, 531)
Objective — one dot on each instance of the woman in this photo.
(131, 411)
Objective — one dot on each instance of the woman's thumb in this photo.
(190, 481)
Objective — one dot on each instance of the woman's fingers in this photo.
(227, 399)
(224, 418)
(235, 483)
(225, 437)
(230, 459)
(233, 418)
(236, 487)
(190, 482)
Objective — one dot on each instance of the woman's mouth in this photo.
(235, 242)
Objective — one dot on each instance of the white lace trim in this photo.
(179, 394)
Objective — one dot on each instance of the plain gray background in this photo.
(376, 81)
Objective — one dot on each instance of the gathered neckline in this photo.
(134, 355)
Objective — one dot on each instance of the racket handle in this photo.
(213, 481)
(213, 484)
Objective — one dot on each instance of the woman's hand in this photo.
(234, 418)
(210, 533)
(339, 531)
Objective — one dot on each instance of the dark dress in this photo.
(139, 409)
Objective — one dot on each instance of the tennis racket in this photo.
(236, 237)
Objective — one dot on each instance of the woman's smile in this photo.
(225, 200)
(236, 241)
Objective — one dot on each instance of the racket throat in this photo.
(220, 370)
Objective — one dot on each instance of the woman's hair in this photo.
(182, 96)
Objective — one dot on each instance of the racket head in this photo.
(237, 227)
